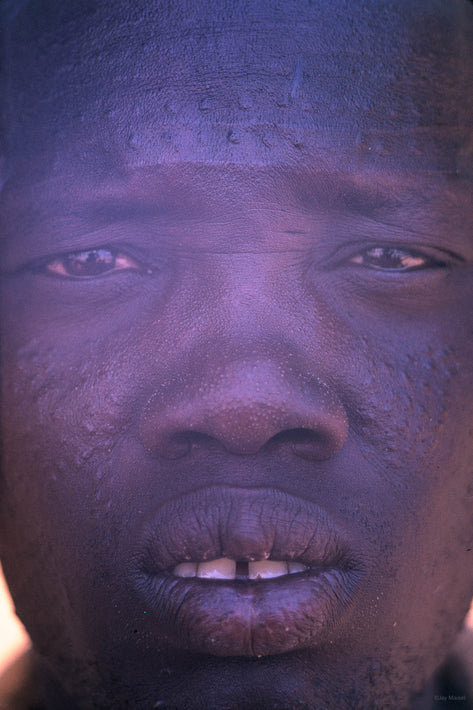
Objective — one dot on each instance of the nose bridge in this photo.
(245, 292)
(252, 303)
(242, 399)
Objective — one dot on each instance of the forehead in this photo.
(105, 85)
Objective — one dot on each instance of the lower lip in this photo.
(250, 618)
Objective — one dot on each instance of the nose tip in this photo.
(244, 407)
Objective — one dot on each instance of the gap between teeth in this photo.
(226, 568)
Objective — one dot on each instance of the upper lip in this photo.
(233, 618)
(244, 524)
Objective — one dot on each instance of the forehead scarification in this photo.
(242, 81)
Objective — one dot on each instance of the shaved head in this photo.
(233, 80)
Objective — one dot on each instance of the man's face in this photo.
(238, 270)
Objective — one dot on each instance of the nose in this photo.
(243, 405)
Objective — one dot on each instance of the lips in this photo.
(244, 572)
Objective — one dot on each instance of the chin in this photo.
(329, 678)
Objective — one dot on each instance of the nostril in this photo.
(306, 443)
(175, 447)
(180, 444)
(243, 407)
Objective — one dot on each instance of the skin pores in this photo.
(237, 281)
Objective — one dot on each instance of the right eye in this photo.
(90, 263)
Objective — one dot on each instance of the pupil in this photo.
(391, 258)
(90, 262)
(395, 258)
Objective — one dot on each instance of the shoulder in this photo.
(21, 686)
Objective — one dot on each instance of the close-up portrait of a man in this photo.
(236, 260)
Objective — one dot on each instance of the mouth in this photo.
(244, 572)
(226, 568)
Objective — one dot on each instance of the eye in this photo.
(88, 263)
(395, 259)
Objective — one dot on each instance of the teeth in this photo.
(186, 569)
(266, 569)
(296, 567)
(226, 568)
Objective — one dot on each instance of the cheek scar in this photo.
(296, 80)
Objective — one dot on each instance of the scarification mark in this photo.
(296, 80)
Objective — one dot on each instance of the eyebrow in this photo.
(369, 195)
(116, 210)
(333, 194)
(347, 196)
(387, 193)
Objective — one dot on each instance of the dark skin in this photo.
(237, 264)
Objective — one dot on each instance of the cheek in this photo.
(63, 510)
(427, 491)
(73, 455)
(60, 423)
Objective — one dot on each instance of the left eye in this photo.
(90, 262)
(394, 259)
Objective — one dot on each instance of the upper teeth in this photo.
(226, 568)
